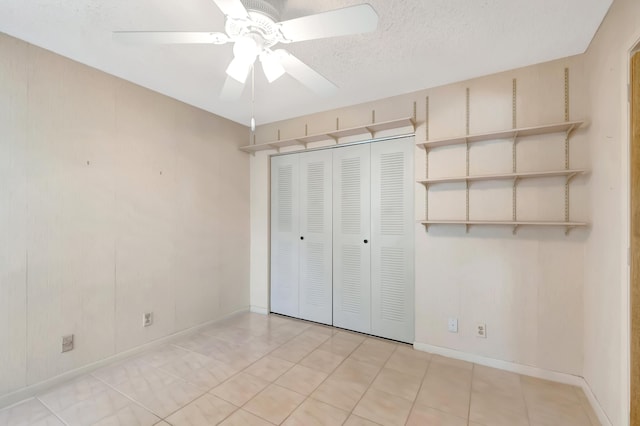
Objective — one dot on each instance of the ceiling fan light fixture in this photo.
(271, 66)
(245, 49)
(239, 70)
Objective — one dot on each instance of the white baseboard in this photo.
(525, 370)
(40, 387)
(595, 404)
(259, 310)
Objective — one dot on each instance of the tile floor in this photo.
(270, 370)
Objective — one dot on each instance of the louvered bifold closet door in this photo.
(351, 227)
(392, 282)
(285, 234)
(315, 236)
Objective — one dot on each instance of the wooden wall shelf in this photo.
(565, 127)
(367, 129)
(513, 134)
(506, 176)
(515, 224)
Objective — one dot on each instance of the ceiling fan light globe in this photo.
(271, 66)
(245, 49)
(239, 70)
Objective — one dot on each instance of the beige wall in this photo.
(114, 201)
(527, 288)
(606, 273)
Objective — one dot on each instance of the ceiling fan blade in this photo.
(232, 89)
(350, 20)
(232, 8)
(305, 74)
(169, 37)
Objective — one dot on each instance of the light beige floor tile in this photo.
(491, 380)
(244, 418)
(269, 368)
(200, 370)
(438, 359)
(274, 403)
(162, 355)
(426, 416)
(340, 393)
(204, 411)
(373, 351)
(131, 415)
(409, 361)
(355, 371)
(558, 414)
(541, 391)
(447, 389)
(497, 410)
(97, 407)
(383, 408)
(240, 388)
(28, 413)
(123, 371)
(354, 420)
(322, 361)
(292, 351)
(201, 342)
(399, 384)
(66, 395)
(316, 413)
(301, 379)
(460, 377)
(338, 344)
(159, 394)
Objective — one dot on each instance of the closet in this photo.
(342, 237)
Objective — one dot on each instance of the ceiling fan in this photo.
(253, 28)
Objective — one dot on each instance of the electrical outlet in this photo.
(67, 343)
(453, 325)
(147, 319)
(481, 330)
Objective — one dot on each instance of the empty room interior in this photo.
(265, 212)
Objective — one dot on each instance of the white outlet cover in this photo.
(453, 325)
(481, 330)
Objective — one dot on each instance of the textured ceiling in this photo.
(418, 44)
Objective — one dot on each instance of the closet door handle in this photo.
(366, 241)
(302, 238)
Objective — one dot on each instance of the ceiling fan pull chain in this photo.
(253, 100)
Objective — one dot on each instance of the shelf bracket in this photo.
(372, 133)
(568, 229)
(466, 227)
(514, 231)
(570, 177)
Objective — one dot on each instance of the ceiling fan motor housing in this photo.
(270, 8)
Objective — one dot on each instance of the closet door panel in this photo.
(351, 227)
(285, 232)
(392, 282)
(315, 236)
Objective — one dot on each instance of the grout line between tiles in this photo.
(415, 400)
(473, 366)
(51, 411)
(130, 398)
